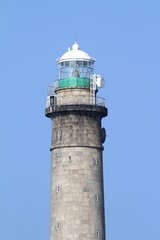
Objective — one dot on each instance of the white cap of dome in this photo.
(75, 54)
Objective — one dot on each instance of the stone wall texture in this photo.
(77, 197)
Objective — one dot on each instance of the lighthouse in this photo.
(75, 110)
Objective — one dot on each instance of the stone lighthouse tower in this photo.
(77, 196)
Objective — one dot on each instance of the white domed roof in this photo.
(75, 54)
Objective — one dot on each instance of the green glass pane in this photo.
(74, 82)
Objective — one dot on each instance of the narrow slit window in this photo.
(58, 153)
(58, 188)
(97, 234)
(59, 135)
(58, 225)
(95, 161)
(97, 197)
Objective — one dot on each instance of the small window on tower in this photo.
(97, 197)
(58, 188)
(59, 135)
(95, 161)
(58, 225)
(58, 153)
(97, 234)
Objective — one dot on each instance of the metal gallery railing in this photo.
(74, 100)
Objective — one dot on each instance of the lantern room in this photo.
(75, 68)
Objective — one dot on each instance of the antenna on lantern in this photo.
(75, 36)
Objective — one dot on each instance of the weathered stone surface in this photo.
(79, 178)
(76, 167)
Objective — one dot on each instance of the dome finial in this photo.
(75, 46)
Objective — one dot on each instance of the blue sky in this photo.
(124, 37)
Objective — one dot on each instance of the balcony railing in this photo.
(53, 100)
(74, 100)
